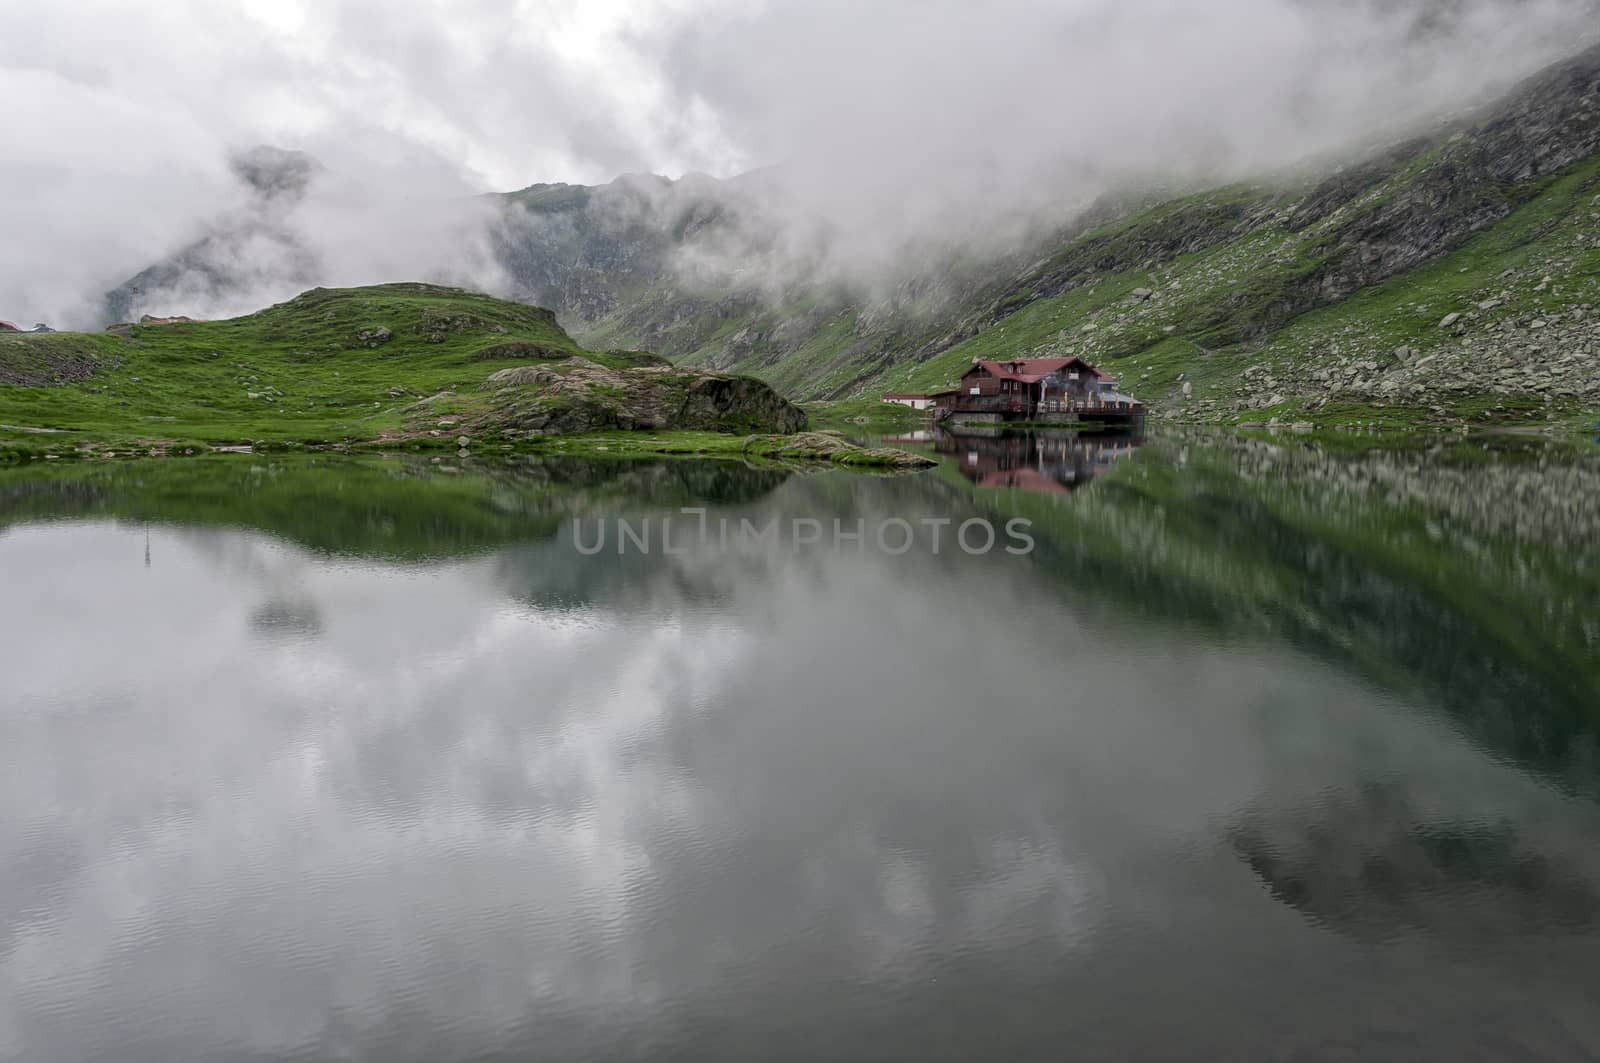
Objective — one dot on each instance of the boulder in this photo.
(580, 395)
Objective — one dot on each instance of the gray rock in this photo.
(375, 336)
(585, 397)
(1449, 319)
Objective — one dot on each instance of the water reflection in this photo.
(1043, 462)
(1253, 756)
(1374, 861)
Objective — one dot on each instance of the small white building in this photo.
(916, 402)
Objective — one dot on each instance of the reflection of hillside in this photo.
(391, 508)
(1373, 864)
(1041, 462)
(1399, 567)
(1466, 576)
(1459, 578)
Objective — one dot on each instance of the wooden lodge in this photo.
(1062, 390)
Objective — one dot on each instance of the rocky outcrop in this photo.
(518, 350)
(47, 360)
(437, 325)
(579, 395)
(374, 336)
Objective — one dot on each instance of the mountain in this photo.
(1452, 277)
(252, 247)
(1449, 278)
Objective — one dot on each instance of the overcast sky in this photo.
(891, 116)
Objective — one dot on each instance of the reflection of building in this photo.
(1044, 462)
(1039, 389)
(920, 436)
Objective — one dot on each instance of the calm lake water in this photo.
(1259, 752)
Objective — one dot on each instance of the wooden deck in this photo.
(1019, 408)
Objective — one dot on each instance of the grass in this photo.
(296, 372)
(805, 447)
(330, 368)
(865, 414)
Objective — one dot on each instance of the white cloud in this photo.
(891, 120)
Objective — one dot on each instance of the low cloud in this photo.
(908, 125)
(891, 133)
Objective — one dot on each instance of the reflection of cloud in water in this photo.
(453, 814)
(283, 619)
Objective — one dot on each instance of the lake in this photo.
(1188, 748)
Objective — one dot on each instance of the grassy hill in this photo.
(329, 364)
(405, 364)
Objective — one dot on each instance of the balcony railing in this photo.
(1021, 404)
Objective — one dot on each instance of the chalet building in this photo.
(1040, 389)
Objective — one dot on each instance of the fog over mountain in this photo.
(885, 134)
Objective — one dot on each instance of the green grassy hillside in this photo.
(327, 365)
(397, 364)
(1523, 349)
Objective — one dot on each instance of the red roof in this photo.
(1024, 479)
(1033, 370)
